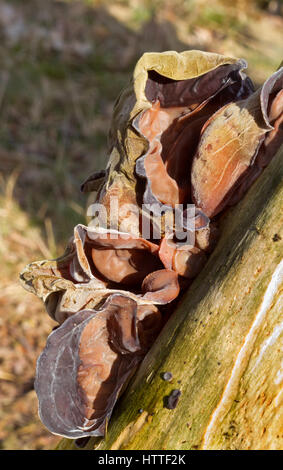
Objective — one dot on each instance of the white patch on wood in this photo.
(269, 342)
(278, 399)
(279, 376)
(231, 388)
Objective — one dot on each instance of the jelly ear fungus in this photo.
(86, 362)
(189, 129)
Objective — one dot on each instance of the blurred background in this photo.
(62, 65)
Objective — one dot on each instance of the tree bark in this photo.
(221, 345)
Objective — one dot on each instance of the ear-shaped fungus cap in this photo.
(172, 125)
(86, 362)
(232, 149)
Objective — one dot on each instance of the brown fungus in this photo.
(173, 123)
(188, 129)
(171, 401)
(161, 286)
(86, 362)
(232, 143)
(124, 259)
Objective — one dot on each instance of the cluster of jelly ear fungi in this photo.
(207, 139)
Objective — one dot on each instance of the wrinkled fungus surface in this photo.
(86, 362)
(189, 129)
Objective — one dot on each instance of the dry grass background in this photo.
(62, 66)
